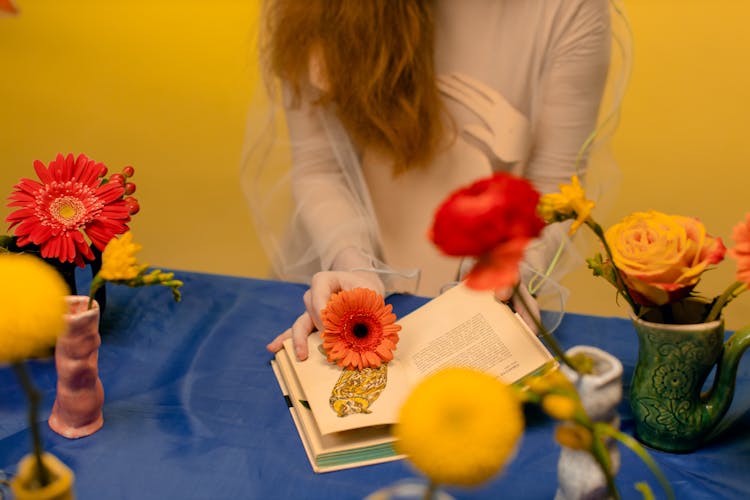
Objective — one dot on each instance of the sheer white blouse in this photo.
(522, 81)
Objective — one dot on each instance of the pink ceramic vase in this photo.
(77, 411)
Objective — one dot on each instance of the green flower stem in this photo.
(546, 335)
(599, 232)
(96, 284)
(638, 449)
(725, 298)
(601, 454)
(35, 397)
(536, 281)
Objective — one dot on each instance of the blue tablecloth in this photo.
(193, 411)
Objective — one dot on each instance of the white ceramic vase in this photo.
(579, 476)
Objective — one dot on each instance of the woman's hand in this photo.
(531, 315)
(322, 286)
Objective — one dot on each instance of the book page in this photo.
(464, 327)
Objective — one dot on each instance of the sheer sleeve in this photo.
(325, 201)
(581, 90)
(303, 183)
(572, 85)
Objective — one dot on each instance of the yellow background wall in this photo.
(164, 85)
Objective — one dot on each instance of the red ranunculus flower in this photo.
(70, 198)
(492, 219)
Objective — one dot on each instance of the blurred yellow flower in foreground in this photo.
(32, 305)
(459, 426)
(118, 259)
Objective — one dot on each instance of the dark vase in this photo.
(66, 269)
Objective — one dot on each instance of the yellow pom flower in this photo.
(569, 203)
(32, 305)
(459, 426)
(118, 260)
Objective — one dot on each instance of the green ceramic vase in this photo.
(670, 410)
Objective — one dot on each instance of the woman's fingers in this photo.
(276, 344)
(301, 329)
(299, 332)
(315, 299)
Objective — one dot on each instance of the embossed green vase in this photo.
(670, 410)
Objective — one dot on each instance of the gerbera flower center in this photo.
(360, 330)
(67, 210)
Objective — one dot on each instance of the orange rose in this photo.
(661, 257)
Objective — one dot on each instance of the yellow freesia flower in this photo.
(32, 305)
(569, 203)
(118, 259)
(120, 266)
(574, 436)
(459, 426)
(559, 406)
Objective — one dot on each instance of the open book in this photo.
(460, 327)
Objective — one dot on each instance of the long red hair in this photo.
(378, 65)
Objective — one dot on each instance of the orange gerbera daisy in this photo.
(70, 198)
(360, 330)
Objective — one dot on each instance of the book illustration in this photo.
(356, 390)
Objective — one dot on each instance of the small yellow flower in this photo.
(118, 259)
(120, 266)
(559, 406)
(569, 203)
(553, 380)
(32, 305)
(559, 381)
(459, 426)
(539, 384)
(574, 436)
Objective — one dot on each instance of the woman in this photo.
(392, 105)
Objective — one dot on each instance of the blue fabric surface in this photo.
(192, 409)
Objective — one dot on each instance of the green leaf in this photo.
(603, 268)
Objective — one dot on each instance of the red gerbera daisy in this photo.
(360, 330)
(71, 198)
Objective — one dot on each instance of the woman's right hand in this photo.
(322, 286)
